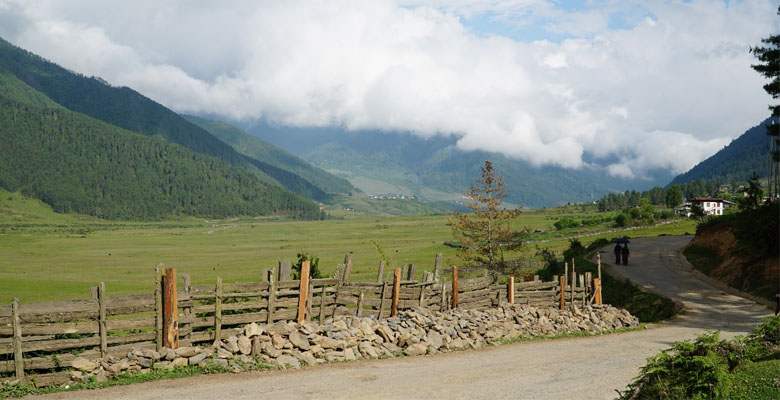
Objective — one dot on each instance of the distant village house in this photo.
(710, 205)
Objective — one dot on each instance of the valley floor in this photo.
(584, 368)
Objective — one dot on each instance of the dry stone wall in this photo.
(345, 338)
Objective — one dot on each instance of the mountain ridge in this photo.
(736, 162)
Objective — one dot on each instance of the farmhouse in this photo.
(710, 205)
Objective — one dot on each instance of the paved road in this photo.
(581, 368)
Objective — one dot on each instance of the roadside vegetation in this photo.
(711, 368)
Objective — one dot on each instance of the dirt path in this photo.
(582, 368)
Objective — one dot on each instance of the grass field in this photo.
(48, 256)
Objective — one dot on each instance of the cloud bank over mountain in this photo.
(638, 85)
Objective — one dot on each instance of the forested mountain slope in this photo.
(280, 164)
(76, 163)
(128, 109)
(734, 163)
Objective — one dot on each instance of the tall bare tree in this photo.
(486, 232)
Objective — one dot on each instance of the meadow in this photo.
(48, 256)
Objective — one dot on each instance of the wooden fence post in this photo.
(584, 290)
(18, 355)
(510, 291)
(347, 268)
(322, 303)
(158, 306)
(310, 299)
(285, 269)
(573, 280)
(171, 310)
(455, 286)
(563, 292)
(271, 298)
(102, 320)
(359, 312)
(443, 297)
(588, 286)
(382, 300)
(303, 290)
(422, 295)
(597, 289)
(380, 275)
(396, 290)
(267, 274)
(437, 268)
(93, 292)
(411, 272)
(598, 257)
(218, 310)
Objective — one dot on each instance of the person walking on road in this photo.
(617, 254)
(625, 253)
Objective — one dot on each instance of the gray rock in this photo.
(328, 343)
(186, 352)
(271, 350)
(415, 350)
(287, 361)
(244, 345)
(197, 358)
(179, 362)
(278, 341)
(231, 344)
(224, 354)
(368, 350)
(435, 340)
(299, 341)
(253, 330)
(82, 364)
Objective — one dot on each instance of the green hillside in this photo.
(128, 109)
(13, 88)
(75, 163)
(279, 164)
(734, 163)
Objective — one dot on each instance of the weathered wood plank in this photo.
(245, 287)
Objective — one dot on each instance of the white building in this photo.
(710, 205)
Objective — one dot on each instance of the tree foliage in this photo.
(674, 196)
(658, 196)
(768, 56)
(486, 232)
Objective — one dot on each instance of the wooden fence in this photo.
(47, 337)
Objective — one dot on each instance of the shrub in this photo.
(622, 220)
(314, 268)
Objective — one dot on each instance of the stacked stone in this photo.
(346, 338)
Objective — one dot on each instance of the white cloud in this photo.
(664, 91)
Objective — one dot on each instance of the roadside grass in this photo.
(757, 380)
(703, 258)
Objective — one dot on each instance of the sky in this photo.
(627, 86)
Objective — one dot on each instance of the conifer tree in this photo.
(486, 232)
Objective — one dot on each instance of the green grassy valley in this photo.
(51, 256)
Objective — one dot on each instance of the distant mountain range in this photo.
(736, 162)
(434, 169)
(82, 145)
